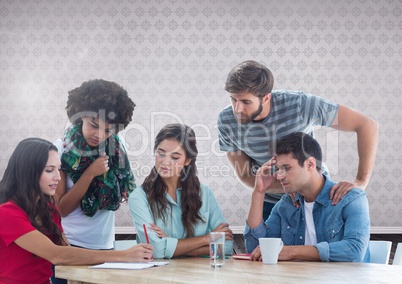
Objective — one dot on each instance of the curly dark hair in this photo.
(155, 188)
(104, 99)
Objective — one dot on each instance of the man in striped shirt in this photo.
(258, 116)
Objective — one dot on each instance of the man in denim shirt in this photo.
(317, 230)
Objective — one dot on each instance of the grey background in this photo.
(173, 58)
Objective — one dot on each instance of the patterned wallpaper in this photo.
(173, 58)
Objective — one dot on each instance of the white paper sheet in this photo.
(128, 265)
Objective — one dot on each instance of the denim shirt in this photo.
(342, 230)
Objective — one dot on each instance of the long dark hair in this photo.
(20, 184)
(155, 187)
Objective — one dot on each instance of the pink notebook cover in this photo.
(242, 256)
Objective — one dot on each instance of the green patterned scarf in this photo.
(106, 191)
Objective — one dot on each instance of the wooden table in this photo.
(197, 270)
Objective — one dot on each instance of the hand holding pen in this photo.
(146, 235)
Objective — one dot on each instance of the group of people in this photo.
(58, 200)
(317, 219)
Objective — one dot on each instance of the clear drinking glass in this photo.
(217, 249)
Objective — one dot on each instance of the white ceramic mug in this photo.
(270, 249)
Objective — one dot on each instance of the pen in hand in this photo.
(146, 233)
(146, 236)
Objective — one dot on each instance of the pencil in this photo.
(146, 233)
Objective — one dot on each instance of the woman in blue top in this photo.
(179, 211)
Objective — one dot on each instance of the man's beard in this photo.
(248, 119)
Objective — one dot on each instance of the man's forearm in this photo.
(366, 129)
(367, 140)
(249, 181)
(241, 163)
(306, 253)
(256, 207)
(246, 180)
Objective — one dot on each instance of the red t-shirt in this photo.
(16, 264)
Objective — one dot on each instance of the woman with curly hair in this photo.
(95, 172)
(179, 210)
(31, 235)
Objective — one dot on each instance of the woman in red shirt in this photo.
(31, 235)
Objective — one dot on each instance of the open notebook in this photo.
(128, 265)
